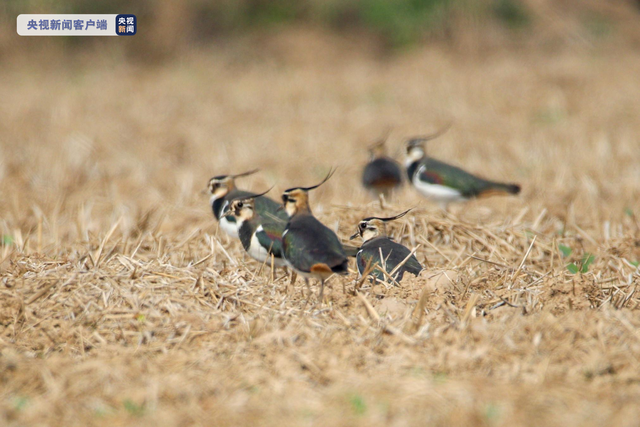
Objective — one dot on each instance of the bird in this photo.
(223, 189)
(310, 248)
(381, 251)
(382, 174)
(445, 183)
(261, 237)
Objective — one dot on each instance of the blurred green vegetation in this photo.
(396, 23)
(167, 26)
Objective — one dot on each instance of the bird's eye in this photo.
(362, 225)
(240, 204)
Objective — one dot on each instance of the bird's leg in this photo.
(306, 282)
(273, 269)
(381, 199)
(321, 291)
(294, 276)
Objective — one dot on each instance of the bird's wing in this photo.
(393, 254)
(308, 242)
(269, 236)
(382, 171)
(270, 209)
(436, 172)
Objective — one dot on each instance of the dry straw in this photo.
(122, 304)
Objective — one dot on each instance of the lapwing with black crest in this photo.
(444, 183)
(382, 174)
(223, 189)
(261, 237)
(310, 248)
(380, 251)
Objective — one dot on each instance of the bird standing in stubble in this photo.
(382, 174)
(260, 237)
(223, 189)
(444, 183)
(379, 250)
(310, 247)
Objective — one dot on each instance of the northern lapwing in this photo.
(379, 250)
(382, 174)
(445, 183)
(223, 189)
(310, 247)
(261, 237)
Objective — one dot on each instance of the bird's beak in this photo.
(227, 213)
(356, 234)
(280, 209)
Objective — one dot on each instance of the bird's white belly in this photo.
(437, 192)
(256, 250)
(259, 253)
(231, 228)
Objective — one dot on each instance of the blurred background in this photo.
(168, 27)
(118, 305)
(540, 92)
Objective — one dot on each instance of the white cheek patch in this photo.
(413, 156)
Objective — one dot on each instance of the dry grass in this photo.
(122, 304)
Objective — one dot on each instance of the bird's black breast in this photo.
(245, 232)
(216, 206)
(411, 169)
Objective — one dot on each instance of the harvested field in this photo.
(123, 304)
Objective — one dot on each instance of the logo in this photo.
(126, 25)
(76, 25)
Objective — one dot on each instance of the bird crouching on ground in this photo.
(310, 248)
(379, 251)
(222, 189)
(444, 183)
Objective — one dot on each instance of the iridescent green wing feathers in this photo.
(270, 237)
(308, 242)
(436, 172)
(270, 210)
(393, 254)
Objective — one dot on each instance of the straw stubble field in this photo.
(122, 304)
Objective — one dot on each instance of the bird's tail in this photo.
(342, 268)
(497, 188)
(350, 251)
